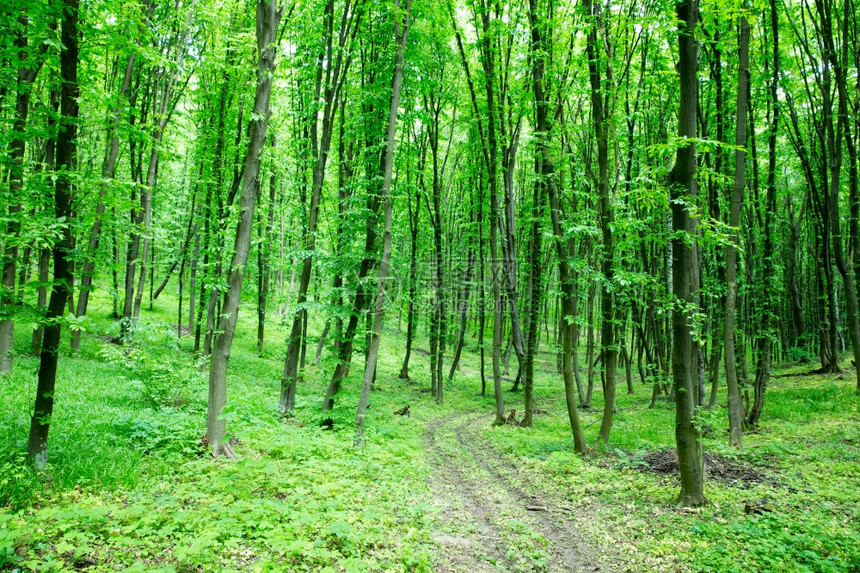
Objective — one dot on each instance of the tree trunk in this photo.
(263, 262)
(683, 189)
(545, 172)
(401, 30)
(17, 146)
(462, 309)
(765, 342)
(42, 298)
(414, 218)
(534, 259)
(736, 408)
(589, 350)
(835, 136)
(359, 302)
(108, 171)
(330, 82)
(440, 304)
(37, 444)
(608, 350)
(268, 18)
(489, 149)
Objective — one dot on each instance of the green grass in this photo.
(130, 485)
(808, 446)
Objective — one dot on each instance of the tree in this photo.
(268, 20)
(682, 181)
(335, 62)
(736, 413)
(489, 148)
(545, 177)
(609, 351)
(29, 65)
(43, 406)
(401, 31)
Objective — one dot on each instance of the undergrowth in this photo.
(130, 483)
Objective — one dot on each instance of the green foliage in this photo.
(165, 378)
(18, 482)
(774, 542)
(800, 354)
(130, 485)
(805, 453)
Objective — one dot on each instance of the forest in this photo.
(411, 285)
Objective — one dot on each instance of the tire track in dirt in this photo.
(493, 502)
(462, 505)
(569, 549)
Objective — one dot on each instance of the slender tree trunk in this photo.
(321, 343)
(268, 18)
(765, 342)
(440, 303)
(736, 408)
(589, 350)
(838, 59)
(26, 75)
(627, 356)
(608, 349)
(37, 444)
(138, 255)
(462, 309)
(683, 190)
(414, 218)
(545, 172)
(482, 298)
(42, 298)
(490, 151)
(345, 352)
(264, 262)
(146, 205)
(401, 30)
(331, 81)
(797, 324)
(108, 171)
(192, 280)
(534, 266)
(510, 266)
(45, 254)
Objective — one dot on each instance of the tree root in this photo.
(224, 449)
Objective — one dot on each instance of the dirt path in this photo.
(489, 520)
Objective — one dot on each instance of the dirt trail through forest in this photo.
(489, 520)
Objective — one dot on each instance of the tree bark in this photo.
(108, 171)
(401, 30)
(268, 18)
(683, 192)
(40, 423)
(736, 407)
(17, 146)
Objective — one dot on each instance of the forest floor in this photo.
(490, 519)
(130, 485)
